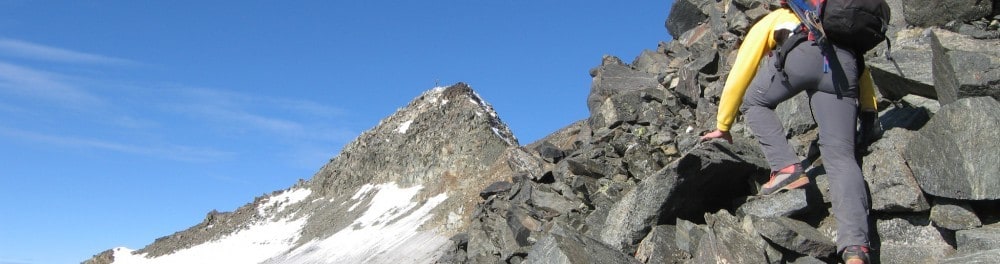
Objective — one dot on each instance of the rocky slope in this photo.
(631, 185)
(444, 181)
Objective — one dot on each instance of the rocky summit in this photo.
(443, 180)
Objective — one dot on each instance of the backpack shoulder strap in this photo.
(798, 36)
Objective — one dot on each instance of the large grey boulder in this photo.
(651, 61)
(688, 235)
(890, 180)
(796, 115)
(795, 235)
(911, 52)
(911, 239)
(961, 67)
(953, 157)
(980, 257)
(567, 246)
(926, 13)
(685, 15)
(660, 246)
(727, 241)
(966, 69)
(979, 239)
(787, 203)
(953, 214)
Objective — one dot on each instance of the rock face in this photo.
(925, 13)
(444, 181)
(950, 156)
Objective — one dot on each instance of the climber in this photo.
(829, 75)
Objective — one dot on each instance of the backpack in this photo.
(859, 25)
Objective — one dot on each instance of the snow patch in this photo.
(435, 94)
(404, 127)
(284, 199)
(255, 244)
(385, 233)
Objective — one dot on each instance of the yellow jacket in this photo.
(758, 42)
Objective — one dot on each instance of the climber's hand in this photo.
(718, 134)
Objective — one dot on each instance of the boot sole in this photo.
(801, 181)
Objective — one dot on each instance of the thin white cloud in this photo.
(174, 152)
(6, 261)
(44, 85)
(289, 118)
(24, 49)
(246, 119)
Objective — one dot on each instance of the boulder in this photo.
(787, 203)
(688, 235)
(979, 257)
(964, 69)
(685, 15)
(728, 242)
(953, 215)
(979, 239)
(911, 52)
(961, 66)
(795, 235)
(796, 115)
(947, 156)
(890, 181)
(912, 239)
(927, 13)
(688, 89)
(495, 188)
(545, 198)
(521, 162)
(660, 247)
(565, 245)
(549, 152)
(582, 166)
(651, 62)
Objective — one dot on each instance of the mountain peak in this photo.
(401, 189)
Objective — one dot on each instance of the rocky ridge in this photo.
(632, 184)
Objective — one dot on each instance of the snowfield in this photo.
(387, 232)
(253, 245)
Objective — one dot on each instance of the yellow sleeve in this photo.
(757, 43)
(867, 98)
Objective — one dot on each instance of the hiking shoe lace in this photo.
(855, 255)
(785, 181)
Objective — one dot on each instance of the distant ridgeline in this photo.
(443, 180)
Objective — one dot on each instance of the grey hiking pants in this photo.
(833, 98)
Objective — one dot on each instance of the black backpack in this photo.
(859, 25)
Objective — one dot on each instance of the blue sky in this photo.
(124, 121)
